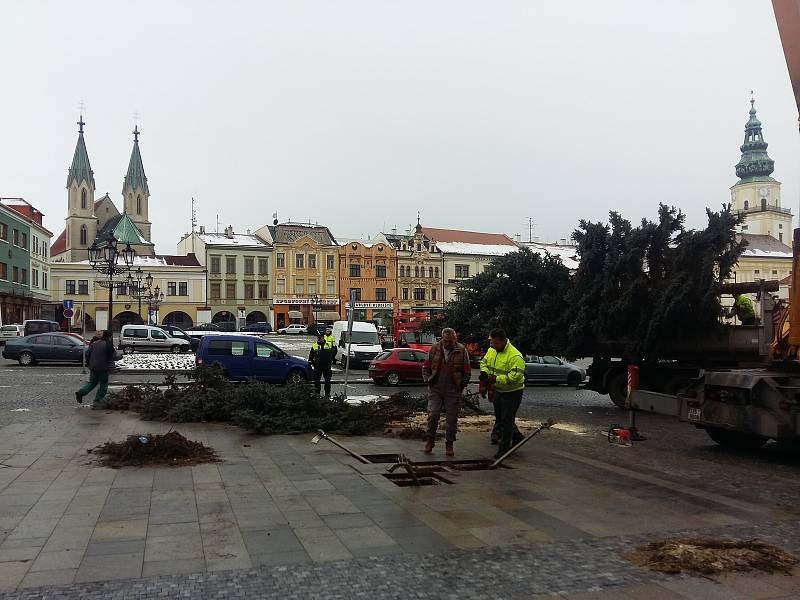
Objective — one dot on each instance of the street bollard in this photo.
(633, 385)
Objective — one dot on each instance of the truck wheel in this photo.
(736, 439)
(618, 388)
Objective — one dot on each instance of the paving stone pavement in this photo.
(283, 516)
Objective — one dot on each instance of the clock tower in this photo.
(756, 195)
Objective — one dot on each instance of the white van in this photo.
(149, 337)
(365, 344)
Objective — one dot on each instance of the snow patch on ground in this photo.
(357, 400)
(156, 362)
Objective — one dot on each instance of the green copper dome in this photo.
(755, 161)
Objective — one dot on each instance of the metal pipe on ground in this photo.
(546, 425)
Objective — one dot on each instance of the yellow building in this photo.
(306, 273)
(367, 271)
(419, 271)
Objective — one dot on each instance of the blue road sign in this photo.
(68, 303)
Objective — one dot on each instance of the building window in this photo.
(16, 237)
(433, 293)
(230, 290)
(299, 286)
(172, 288)
(69, 286)
(419, 247)
(402, 271)
(263, 266)
(4, 271)
(248, 291)
(83, 287)
(380, 271)
(330, 262)
(312, 286)
(416, 271)
(419, 293)
(774, 271)
(330, 287)
(215, 264)
(183, 288)
(746, 205)
(34, 277)
(280, 260)
(215, 291)
(780, 225)
(83, 198)
(780, 237)
(3, 232)
(44, 279)
(24, 276)
(355, 294)
(230, 265)
(249, 265)
(436, 272)
(312, 261)
(263, 290)
(405, 293)
(355, 270)
(35, 245)
(280, 286)
(138, 205)
(757, 272)
(430, 272)
(299, 261)
(24, 241)
(462, 271)
(744, 227)
(380, 294)
(15, 274)
(122, 289)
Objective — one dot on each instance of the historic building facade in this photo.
(16, 301)
(766, 226)
(306, 273)
(367, 271)
(419, 271)
(239, 269)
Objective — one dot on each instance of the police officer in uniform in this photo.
(321, 358)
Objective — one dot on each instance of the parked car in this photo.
(294, 328)
(179, 333)
(205, 327)
(318, 328)
(8, 332)
(149, 337)
(397, 365)
(245, 357)
(39, 326)
(260, 327)
(227, 325)
(43, 347)
(550, 369)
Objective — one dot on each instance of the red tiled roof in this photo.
(468, 237)
(190, 260)
(786, 280)
(60, 245)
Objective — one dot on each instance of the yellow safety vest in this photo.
(326, 346)
(508, 366)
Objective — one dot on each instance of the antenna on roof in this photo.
(217, 230)
(194, 216)
(530, 229)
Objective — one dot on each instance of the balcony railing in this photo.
(755, 209)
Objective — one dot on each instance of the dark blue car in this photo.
(249, 357)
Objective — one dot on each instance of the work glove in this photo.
(482, 388)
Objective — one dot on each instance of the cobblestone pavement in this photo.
(283, 517)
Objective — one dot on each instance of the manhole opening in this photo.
(405, 480)
(382, 458)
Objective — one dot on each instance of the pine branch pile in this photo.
(264, 408)
(711, 556)
(168, 449)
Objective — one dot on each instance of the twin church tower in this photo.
(89, 219)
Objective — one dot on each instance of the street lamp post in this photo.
(314, 304)
(108, 259)
(139, 286)
(154, 299)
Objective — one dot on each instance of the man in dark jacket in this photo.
(321, 358)
(98, 358)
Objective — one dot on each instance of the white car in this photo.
(295, 328)
(149, 337)
(8, 332)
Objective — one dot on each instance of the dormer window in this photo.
(746, 205)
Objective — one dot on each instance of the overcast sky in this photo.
(357, 114)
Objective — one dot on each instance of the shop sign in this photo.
(307, 301)
(372, 305)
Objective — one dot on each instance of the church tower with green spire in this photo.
(757, 195)
(81, 227)
(135, 193)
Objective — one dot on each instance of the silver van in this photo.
(147, 337)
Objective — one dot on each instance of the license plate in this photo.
(693, 414)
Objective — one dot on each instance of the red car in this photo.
(397, 365)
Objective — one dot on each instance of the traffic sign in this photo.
(68, 313)
(68, 303)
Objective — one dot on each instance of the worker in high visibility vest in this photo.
(321, 359)
(503, 368)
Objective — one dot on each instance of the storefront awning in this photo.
(295, 314)
(327, 315)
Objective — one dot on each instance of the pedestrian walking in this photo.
(446, 370)
(321, 358)
(99, 358)
(503, 368)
